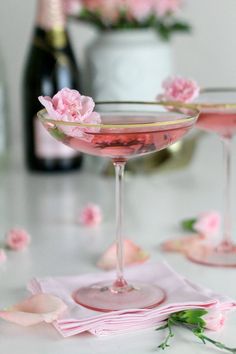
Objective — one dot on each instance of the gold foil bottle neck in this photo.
(57, 38)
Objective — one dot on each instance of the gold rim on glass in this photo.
(209, 105)
(194, 113)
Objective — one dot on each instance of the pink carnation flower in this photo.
(3, 256)
(139, 9)
(70, 106)
(208, 224)
(164, 7)
(109, 10)
(91, 215)
(72, 7)
(215, 319)
(179, 89)
(17, 239)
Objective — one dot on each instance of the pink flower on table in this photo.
(91, 215)
(139, 9)
(70, 106)
(208, 224)
(36, 309)
(17, 239)
(179, 89)
(133, 254)
(72, 7)
(165, 7)
(215, 319)
(3, 256)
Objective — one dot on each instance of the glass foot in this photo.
(103, 297)
(221, 256)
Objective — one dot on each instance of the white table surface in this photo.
(46, 206)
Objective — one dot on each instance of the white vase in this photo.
(127, 65)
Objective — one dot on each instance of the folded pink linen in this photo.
(181, 295)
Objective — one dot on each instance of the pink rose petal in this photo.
(3, 256)
(36, 309)
(91, 215)
(182, 244)
(17, 239)
(133, 254)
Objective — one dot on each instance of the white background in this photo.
(208, 54)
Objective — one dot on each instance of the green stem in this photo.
(170, 335)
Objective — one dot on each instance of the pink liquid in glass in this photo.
(223, 123)
(121, 143)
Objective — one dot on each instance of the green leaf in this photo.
(193, 317)
(188, 224)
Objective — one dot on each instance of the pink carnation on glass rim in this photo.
(17, 239)
(70, 106)
(179, 89)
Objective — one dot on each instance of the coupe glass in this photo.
(218, 115)
(127, 130)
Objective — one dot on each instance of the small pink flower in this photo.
(17, 239)
(36, 309)
(72, 7)
(133, 254)
(179, 89)
(91, 215)
(208, 224)
(165, 7)
(3, 256)
(215, 319)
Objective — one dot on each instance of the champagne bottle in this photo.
(50, 67)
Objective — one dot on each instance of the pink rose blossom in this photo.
(3, 256)
(17, 239)
(139, 9)
(208, 224)
(179, 89)
(164, 7)
(91, 215)
(215, 319)
(133, 254)
(36, 309)
(72, 7)
(70, 106)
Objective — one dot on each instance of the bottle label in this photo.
(46, 147)
(2, 120)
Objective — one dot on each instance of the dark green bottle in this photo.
(50, 67)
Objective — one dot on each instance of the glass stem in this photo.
(227, 241)
(120, 284)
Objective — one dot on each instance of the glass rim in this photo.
(209, 105)
(194, 113)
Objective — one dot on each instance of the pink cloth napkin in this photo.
(181, 295)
